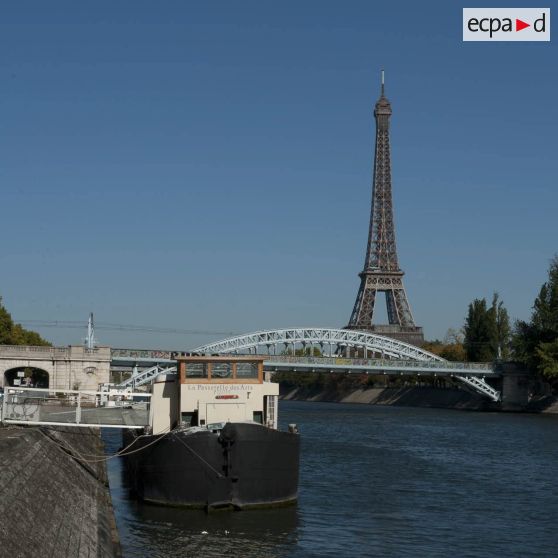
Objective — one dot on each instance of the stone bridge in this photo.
(73, 367)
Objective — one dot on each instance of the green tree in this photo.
(547, 354)
(545, 309)
(487, 331)
(6, 325)
(15, 334)
(478, 332)
(535, 343)
(500, 329)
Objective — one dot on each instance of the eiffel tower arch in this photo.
(381, 271)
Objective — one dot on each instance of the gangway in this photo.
(93, 409)
(146, 376)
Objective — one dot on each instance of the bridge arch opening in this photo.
(27, 376)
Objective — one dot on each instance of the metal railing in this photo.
(474, 367)
(36, 352)
(40, 350)
(141, 354)
(75, 408)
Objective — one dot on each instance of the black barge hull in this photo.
(244, 465)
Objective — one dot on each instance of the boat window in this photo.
(246, 370)
(221, 370)
(196, 370)
(258, 416)
(190, 419)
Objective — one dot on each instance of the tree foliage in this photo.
(451, 348)
(477, 332)
(487, 331)
(535, 343)
(501, 329)
(15, 334)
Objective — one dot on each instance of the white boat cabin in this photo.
(209, 391)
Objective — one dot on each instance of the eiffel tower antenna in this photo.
(381, 271)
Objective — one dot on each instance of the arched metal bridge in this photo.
(332, 340)
(380, 355)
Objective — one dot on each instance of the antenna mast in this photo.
(90, 339)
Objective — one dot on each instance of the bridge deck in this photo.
(368, 365)
(388, 366)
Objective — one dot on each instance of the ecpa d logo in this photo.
(506, 24)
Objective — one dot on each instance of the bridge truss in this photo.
(338, 341)
(381, 355)
(329, 340)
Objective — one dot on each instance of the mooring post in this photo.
(78, 409)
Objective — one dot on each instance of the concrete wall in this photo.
(73, 367)
(515, 386)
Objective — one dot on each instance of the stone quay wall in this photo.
(50, 503)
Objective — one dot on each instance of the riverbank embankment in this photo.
(410, 396)
(52, 504)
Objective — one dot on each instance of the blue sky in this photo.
(207, 166)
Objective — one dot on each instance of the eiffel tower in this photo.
(381, 269)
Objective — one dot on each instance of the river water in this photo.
(379, 481)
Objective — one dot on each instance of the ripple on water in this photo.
(380, 481)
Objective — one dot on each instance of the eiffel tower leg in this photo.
(392, 310)
(403, 308)
(356, 307)
(367, 308)
(363, 310)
